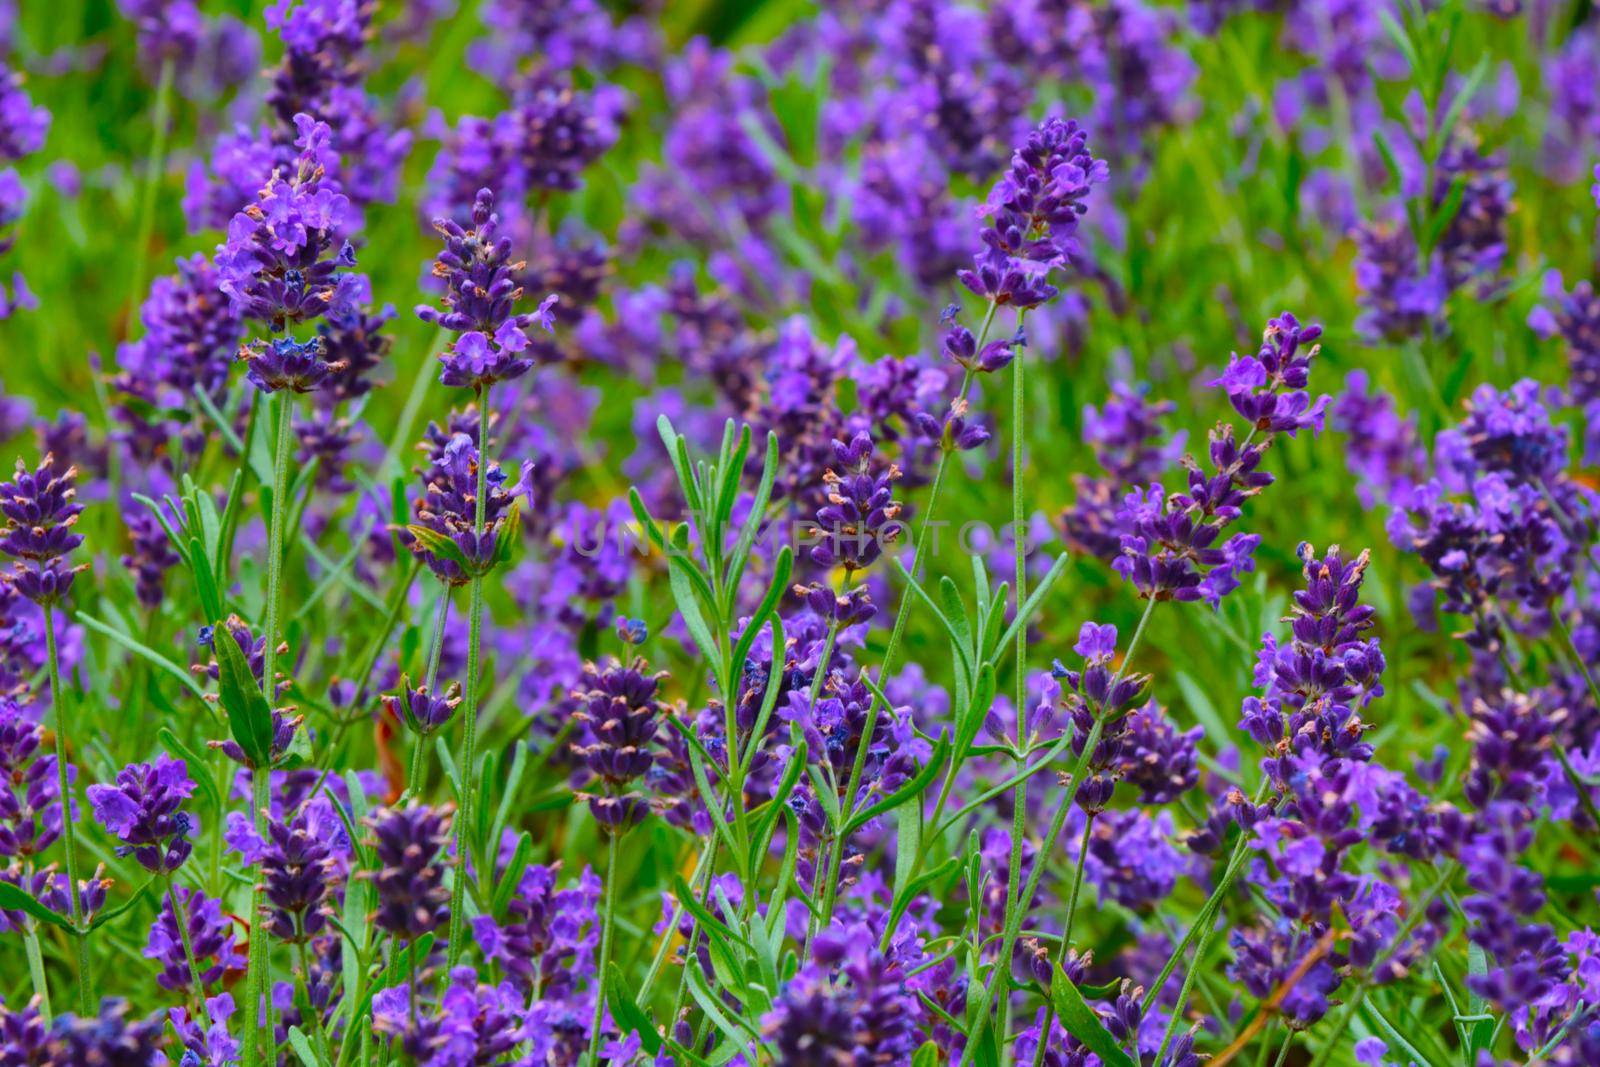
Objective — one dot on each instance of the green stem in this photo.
(180, 919)
(154, 165)
(318, 1033)
(1013, 925)
(261, 798)
(606, 917)
(469, 777)
(41, 988)
(831, 880)
(1283, 1052)
(1019, 796)
(58, 697)
(255, 970)
(1066, 939)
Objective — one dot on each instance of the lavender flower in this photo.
(861, 513)
(1034, 211)
(1314, 688)
(143, 810)
(420, 711)
(1124, 435)
(1089, 694)
(548, 940)
(446, 534)
(618, 713)
(298, 867)
(30, 790)
(40, 513)
(850, 1006)
(1170, 545)
(480, 293)
(282, 262)
(216, 950)
(408, 845)
(152, 555)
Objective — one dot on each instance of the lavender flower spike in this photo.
(481, 290)
(142, 809)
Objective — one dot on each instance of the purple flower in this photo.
(446, 534)
(214, 1046)
(548, 940)
(40, 512)
(481, 291)
(618, 714)
(143, 810)
(284, 363)
(284, 258)
(420, 711)
(851, 1005)
(30, 789)
(408, 845)
(211, 936)
(1033, 213)
(1124, 435)
(110, 1037)
(1268, 388)
(1314, 688)
(861, 514)
(298, 868)
(1382, 449)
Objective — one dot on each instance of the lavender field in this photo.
(799, 532)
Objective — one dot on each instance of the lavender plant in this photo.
(762, 607)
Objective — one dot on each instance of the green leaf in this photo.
(15, 898)
(963, 652)
(441, 546)
(926, 1056)
(113, 913)
(779, 585)
(955, 610)
(302, 1048)
(628, 1014)
(513, 875)
(249, 716)
(1031, 605)
(1082, 1023)
(920, 781)
(143, 651)
(907, 846)
(758, 511)
(196, 765)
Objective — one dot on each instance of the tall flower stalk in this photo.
(481, 292)
(284, 266)
(40, 511)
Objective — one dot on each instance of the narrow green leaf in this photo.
(15, 898)
(920, 781)
(127, 905)
(513, 874)
(302, 1048)
(143, 651)
(627, 1013)
(249, 716)
(1031, 605)
(1082, 1023)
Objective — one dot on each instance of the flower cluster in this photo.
(618, 715)
(1170, 543)
(481, 291)
(143, 809)
(41, 511)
